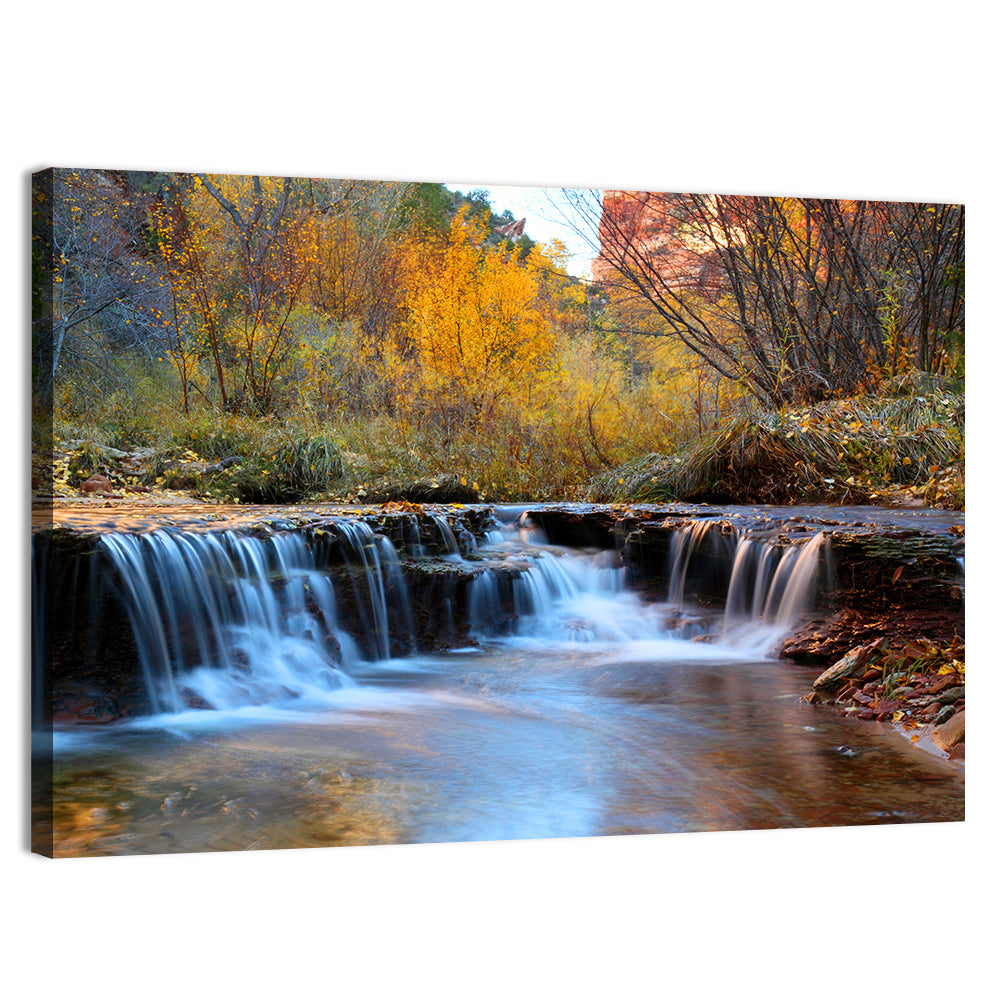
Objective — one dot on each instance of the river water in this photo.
(499, 744)
(597, 714)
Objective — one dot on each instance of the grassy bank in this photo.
(904, 449)
(907, 449)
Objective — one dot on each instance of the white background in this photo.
(848, 99)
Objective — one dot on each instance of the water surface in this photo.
(504, 743)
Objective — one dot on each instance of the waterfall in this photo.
(229, 620)
(384, 590)
(486, 615)
(411, 537)
(448, 539)
(691, 567)
(769, 590)
(582, 598)
(772, 584)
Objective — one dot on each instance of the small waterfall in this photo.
(411, 537)
(384, 590)
(448, 539)
(228, 620)
(800, 582)
(692, 568)
(529, 532)
(769, 590)
(583, 598)
(553, 579)
(486, 615)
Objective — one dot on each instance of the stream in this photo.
(593, 714)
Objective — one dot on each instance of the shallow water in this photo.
(509, 742)
(596, 713)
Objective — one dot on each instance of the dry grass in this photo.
(847, 451)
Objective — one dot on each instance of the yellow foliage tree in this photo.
(479, 334)
(237, 256)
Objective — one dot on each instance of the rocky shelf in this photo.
(893, 576)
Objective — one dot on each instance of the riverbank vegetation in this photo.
(275, 340)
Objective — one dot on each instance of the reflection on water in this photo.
(498, 744)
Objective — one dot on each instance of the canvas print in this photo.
(372, 512)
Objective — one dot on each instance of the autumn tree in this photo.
(797, 299)
(238, 252)
(97, 294)
(475, 321)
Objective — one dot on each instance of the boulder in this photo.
(848, 667)
(949, 735)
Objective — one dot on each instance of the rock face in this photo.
(652, 224)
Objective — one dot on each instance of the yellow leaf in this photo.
(906, 461)
(463, 481)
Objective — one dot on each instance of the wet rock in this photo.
(949, 735)
(887, 707)
(952, 695)
(942, 683)
(944, 715)
(851, 666)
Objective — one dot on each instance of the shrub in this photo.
(287, 470)
(839, 451)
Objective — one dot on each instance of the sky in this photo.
(547, 215)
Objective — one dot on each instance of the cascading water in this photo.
(383, 589)
(581, 597)
(452, 550)
(229, 620)
(769, 590)
(684, 545)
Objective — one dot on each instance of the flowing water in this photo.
(591, 713)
